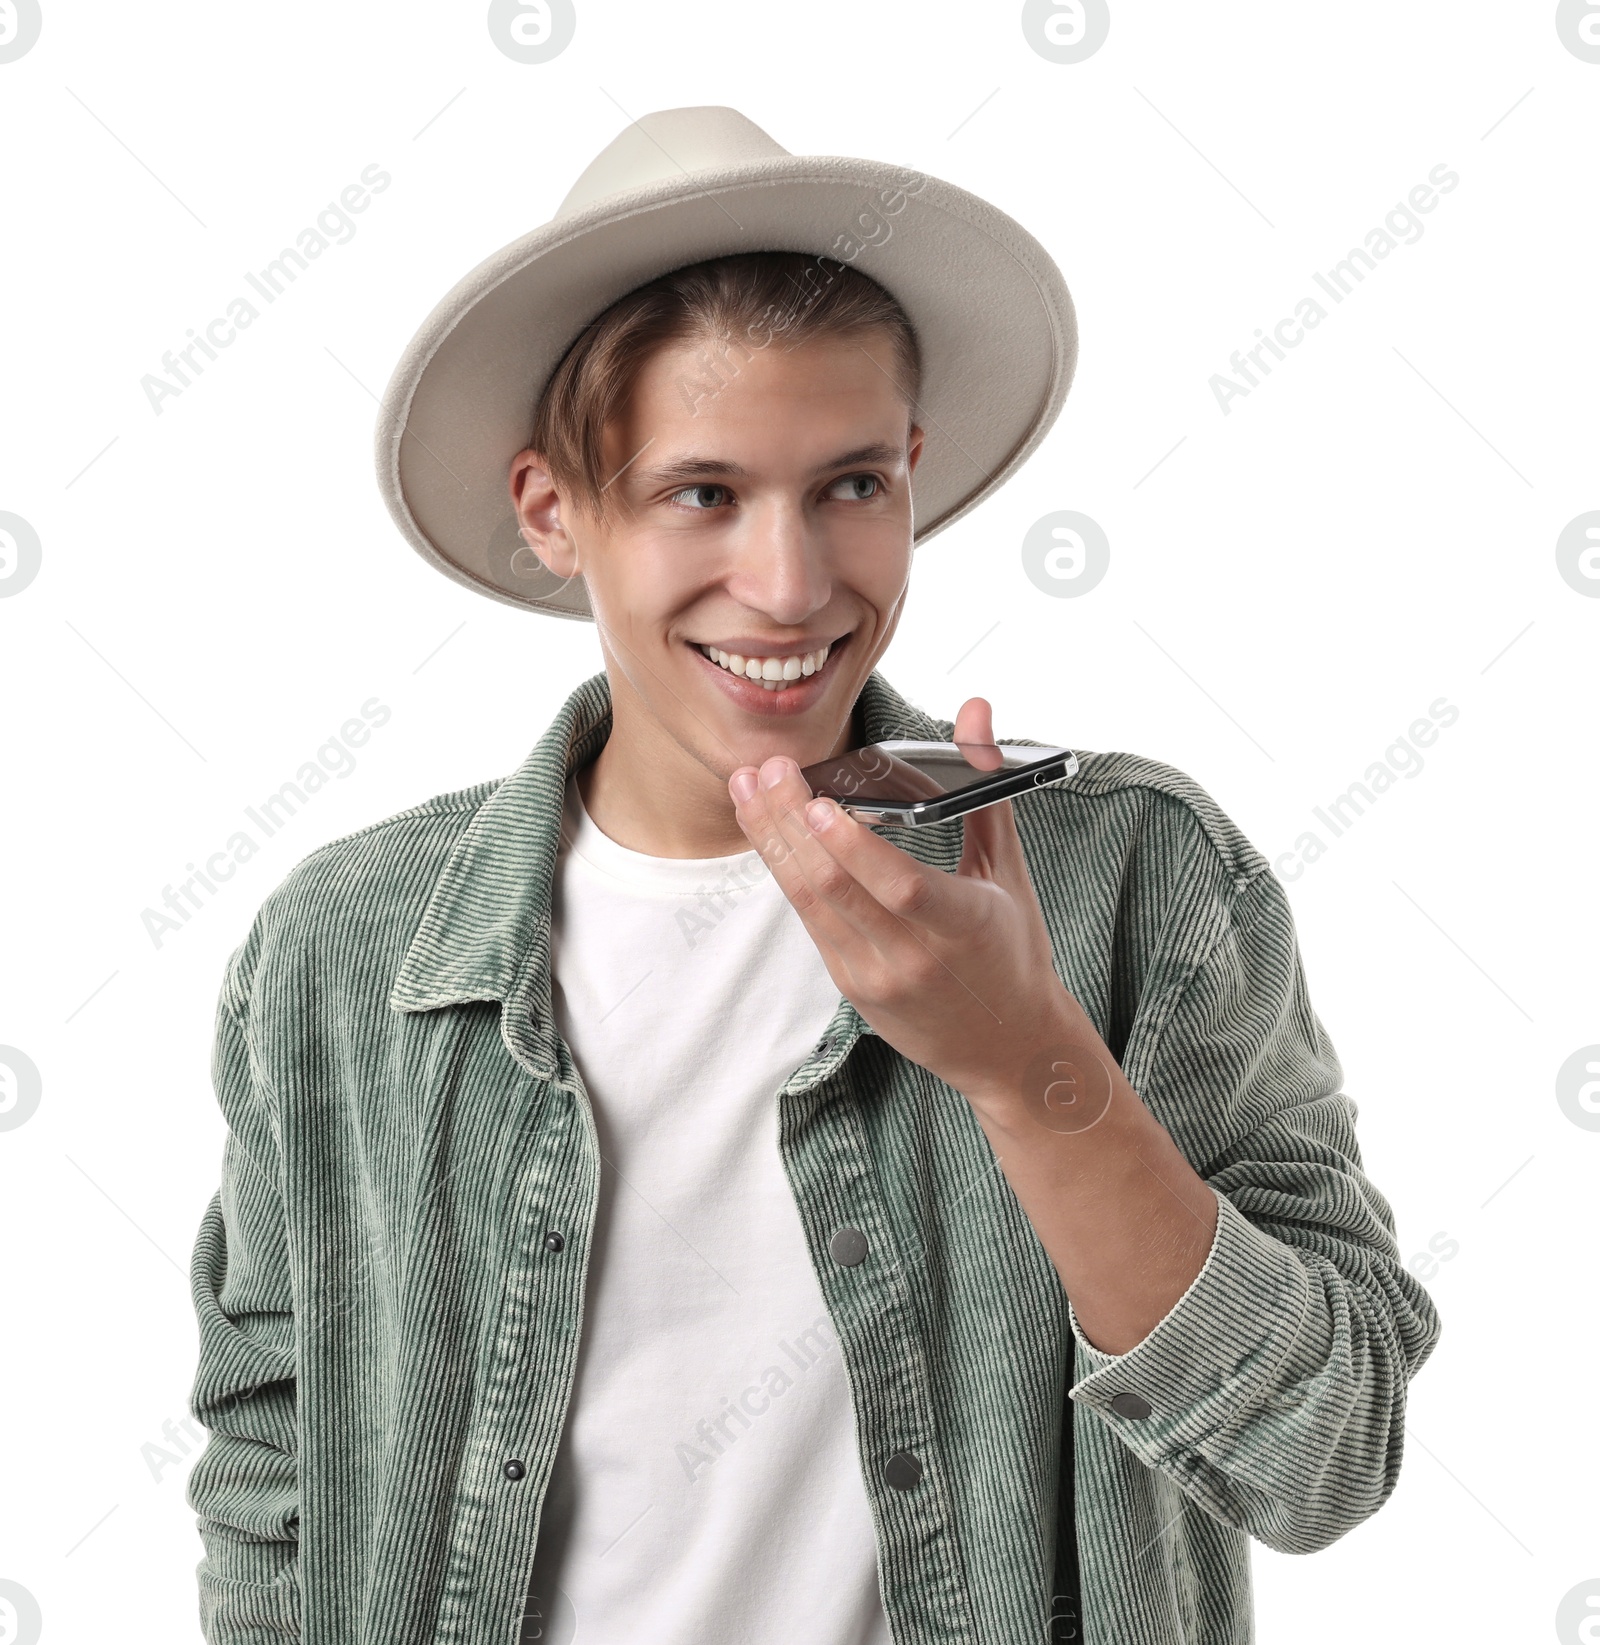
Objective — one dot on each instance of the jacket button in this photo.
(555, 1240)
(902, 1470)
(848, 1247)
(513, 1469)
(1130, 1405)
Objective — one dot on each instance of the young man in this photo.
(657, 1206)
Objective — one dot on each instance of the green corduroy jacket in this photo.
(383, 1327)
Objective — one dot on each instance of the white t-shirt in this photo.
(707, 1489)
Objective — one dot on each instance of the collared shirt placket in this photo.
(862, 1275)
(550, 1212)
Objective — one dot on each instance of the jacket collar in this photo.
(485, 934)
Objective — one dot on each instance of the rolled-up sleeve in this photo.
(1273, 1392)
(244, 1486)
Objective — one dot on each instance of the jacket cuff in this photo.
(1216, 1355)
(249, 1592)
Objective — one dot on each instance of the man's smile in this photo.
(765, 679)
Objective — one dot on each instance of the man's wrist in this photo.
(1063, 1078)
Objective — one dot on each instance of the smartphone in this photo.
(908, 784)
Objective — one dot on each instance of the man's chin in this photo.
(807, 738)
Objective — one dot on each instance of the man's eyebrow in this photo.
(687, 469)
(879, 451)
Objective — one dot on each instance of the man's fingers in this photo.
(760, 823)
(974, 722)
(881, 889)
(830, 879)
(781, 845)
(991, 846)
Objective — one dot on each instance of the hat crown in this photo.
(663, 146)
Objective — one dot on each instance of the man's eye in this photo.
(706, 496)
(855, 488)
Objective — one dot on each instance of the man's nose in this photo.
(781, 567)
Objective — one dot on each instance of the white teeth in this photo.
(774, 673)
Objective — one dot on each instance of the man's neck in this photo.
(647, 792)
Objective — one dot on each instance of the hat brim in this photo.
(992, 313)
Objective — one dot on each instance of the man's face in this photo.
(760, 528)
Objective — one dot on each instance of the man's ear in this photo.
(913, 448)
(540, 514)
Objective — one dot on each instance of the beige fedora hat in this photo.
(991, 310)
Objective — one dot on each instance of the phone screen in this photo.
(905, 772)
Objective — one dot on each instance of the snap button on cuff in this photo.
(848, 1247)
(513, 1469)
(1130, 1405)
(555, 1241)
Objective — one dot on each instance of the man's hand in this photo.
(953, 970)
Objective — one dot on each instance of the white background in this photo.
(1290, 586)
